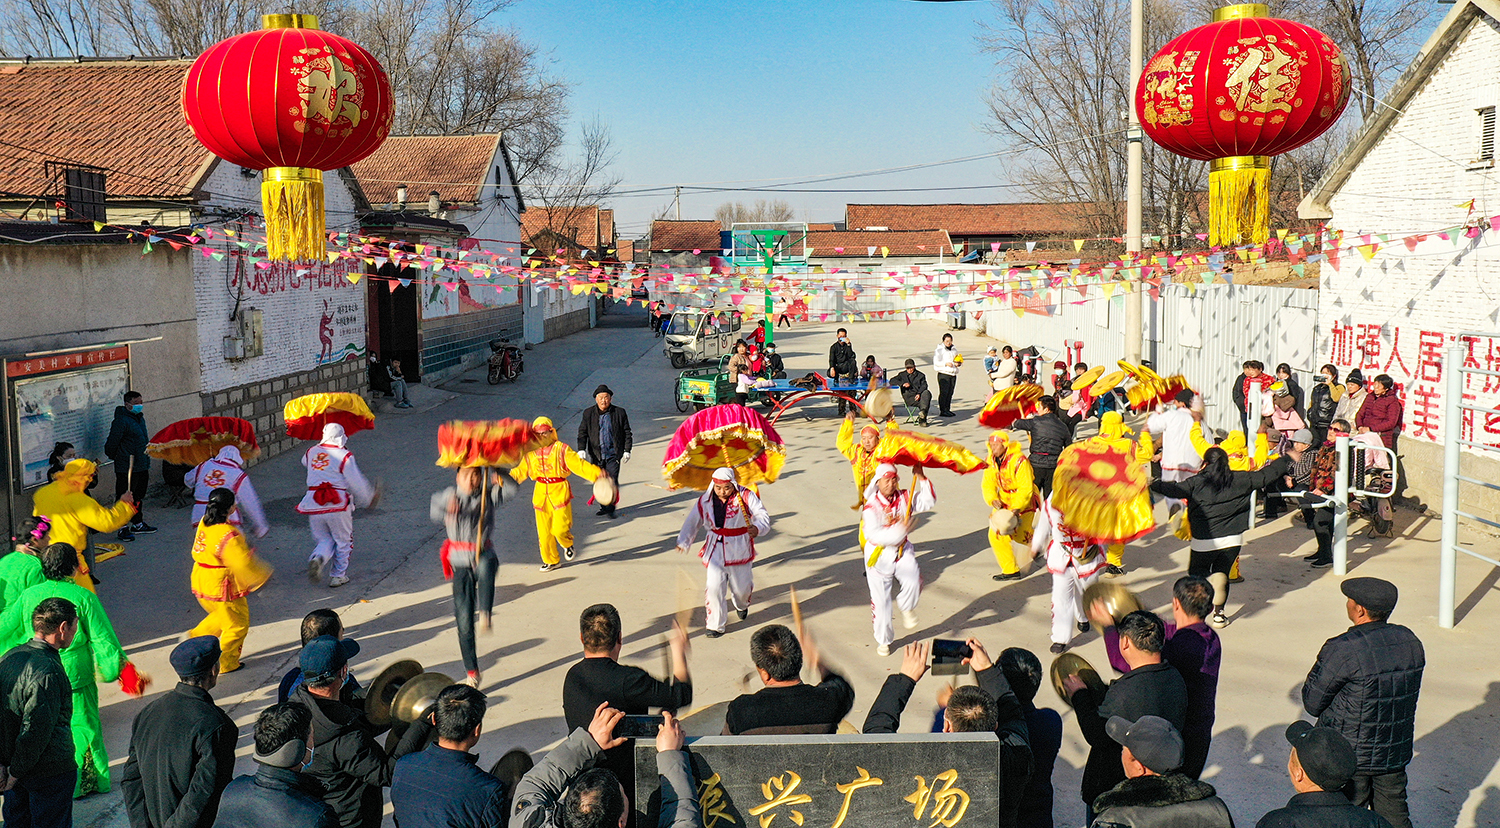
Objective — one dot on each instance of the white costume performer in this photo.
(728, 550)
(227, 470)
(334, 487)
(1075, 565)
(889, 554)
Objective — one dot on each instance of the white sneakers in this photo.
(909, 619)
(339, 581)
(882, 650)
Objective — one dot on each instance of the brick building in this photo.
(978, 227)
(686, 243)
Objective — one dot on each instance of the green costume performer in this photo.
(23, 567)
(96, 648)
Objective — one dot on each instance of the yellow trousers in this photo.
(230, 621)
(554, 527)
(1002, 545)
(1114, 554)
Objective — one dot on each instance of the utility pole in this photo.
(677, 199)
(1134, 316)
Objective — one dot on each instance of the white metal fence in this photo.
(1453, 442)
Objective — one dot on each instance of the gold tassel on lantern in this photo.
(1239, 200)
(292, 198)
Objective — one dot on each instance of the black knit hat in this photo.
(603, 389)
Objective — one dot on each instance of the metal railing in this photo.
(1453, 442)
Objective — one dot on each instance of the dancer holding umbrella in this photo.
(334, 483)
(217, 448)
(725, 450)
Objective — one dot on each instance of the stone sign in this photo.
(918, 780)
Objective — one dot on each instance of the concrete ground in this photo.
(398, 605)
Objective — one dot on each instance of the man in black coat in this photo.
(604, 438)
(441, 787)
(785, 705)
(843, 365)
(278, 794)
(1322, 762)
(1365, 685)
(1051, 431)
(36, 707)
(181, 747)
(992, 706)
(1151, 687)
(126, 446)
(348, 763)
(913, 385)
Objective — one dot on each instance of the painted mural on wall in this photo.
(458, 296)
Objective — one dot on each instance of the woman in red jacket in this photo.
(1382, 415)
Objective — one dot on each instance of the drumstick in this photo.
(685, 598)
(796, 613)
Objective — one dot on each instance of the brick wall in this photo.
(453, 344)
(566, 323)
(262, 402)
(1398, 311)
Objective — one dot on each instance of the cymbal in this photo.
(1072, 664)
(1106, 382)
(511, 767)
(1118, 601)
(418, 694)
(383, 690)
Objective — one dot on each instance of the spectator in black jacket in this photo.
(1150, 688)
(992, 706)
(181, 747)
(1218, 507)
(1365, 685)
(1321, 763)
(278, 794)
(36, 707)
(785, 705)
(600, 677)
(1051, 431)
(604, 438)
(440, 787)
(1323, 402)
(913, 385)
(843, 365)
(126, 446)
(1044, 729)
(1154, 794)
(348, 763)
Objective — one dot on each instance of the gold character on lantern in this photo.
(1260, 70)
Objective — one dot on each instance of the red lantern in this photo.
(1235, 92)
(293, 101)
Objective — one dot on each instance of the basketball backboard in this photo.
(751, 240)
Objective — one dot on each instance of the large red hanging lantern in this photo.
(294, 101)
(1235, 92)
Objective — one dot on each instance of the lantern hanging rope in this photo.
(293, 101)
(1235, 93)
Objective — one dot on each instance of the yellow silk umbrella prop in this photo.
(306, 415)
(1102, 493)
(724, 436)
(1008, 405)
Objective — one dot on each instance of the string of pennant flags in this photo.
(1028, 286)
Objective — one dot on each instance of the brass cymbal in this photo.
(383, 689)
(1118, 601)
(1072, 664)
(418, 694)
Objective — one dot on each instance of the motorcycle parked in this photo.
(506, 361)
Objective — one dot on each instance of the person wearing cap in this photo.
(225, 571)
(1365, 685)
(604, 436)
(914, 391)
(348, 763)
(37, 769)
(860, 454)
(181, 746)
(1321, 764)
(467, 512)
(552, 499)
(94, 655)
(334, 487)
(733, 517)
(73, 511)
(1151, 687)
(441, 786)
(279, 793)
(1353, 398)
(1009, 488)
(226, 470)
(887, 522)
(1153, 792)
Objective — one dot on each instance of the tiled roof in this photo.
(625, 249)
(456, 166)
(124, 116)
(586, 222)
(812, 227)
(971, 219)
(686, 235)
(854, 244)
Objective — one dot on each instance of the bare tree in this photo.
(566, 190)
(762, 210)
(1378, 37)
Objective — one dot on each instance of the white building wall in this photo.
(1399, 310)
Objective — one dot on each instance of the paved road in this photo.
(398, 605)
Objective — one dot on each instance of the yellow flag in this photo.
(1078, 244)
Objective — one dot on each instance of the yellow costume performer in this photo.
(225, 570)
(861, 455)
(550, 466)
(1009, 486)
(1240, 459)
(74, 512)
(1114, 433)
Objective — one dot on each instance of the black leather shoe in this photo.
(1059, 649)
(1009, 576)
(1083, 626)
(714, 633)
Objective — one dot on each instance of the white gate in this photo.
(1453, 443)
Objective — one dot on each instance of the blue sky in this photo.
(697, 91)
